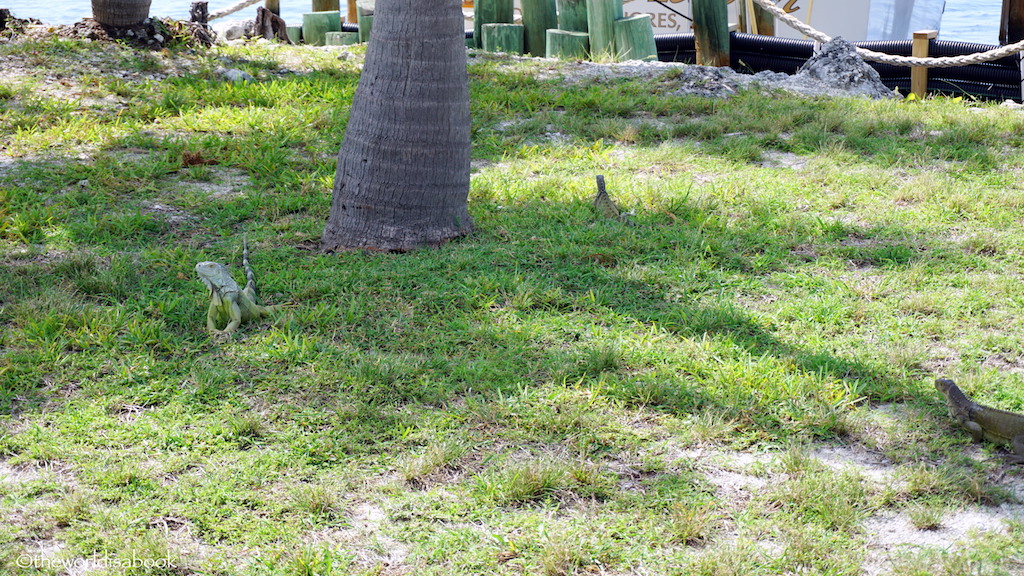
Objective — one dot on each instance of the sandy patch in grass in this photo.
(738, 477)
(18, 474)
(366, 540)
(776, 159)
(225, 183)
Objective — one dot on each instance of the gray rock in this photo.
(236, 75)
(233, 29)
(837, 67)
(706, 81)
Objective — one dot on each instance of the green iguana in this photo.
(606, 207)
(229, 303)
(983, 422)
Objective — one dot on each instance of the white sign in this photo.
(845, 18)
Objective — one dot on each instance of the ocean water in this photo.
(963, 20)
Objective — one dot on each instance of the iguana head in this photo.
(944, 385)
(216, 278)
(958, 403)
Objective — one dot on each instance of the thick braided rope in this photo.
(231, 9)
(944, 62)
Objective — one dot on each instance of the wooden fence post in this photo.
(919, 74)
(764, 22)
(490, 12)
(538, 17)
(600, 16)
(199, 12)
(567, 44)
(1011, 22)
(325, 5)
(353, 12)
(502, 38)
(711, 32)
(365, 24)
(572, 15)
(634, 38)
(316, 25)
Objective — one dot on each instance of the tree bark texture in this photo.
(402, 179)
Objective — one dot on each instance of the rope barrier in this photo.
(944, 62)
(232, 9)
(807, 30)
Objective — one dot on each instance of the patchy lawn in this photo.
(739, 384)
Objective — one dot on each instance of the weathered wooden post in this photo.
(365, 23)
(572, 15)
(755, 19)
(326, 5)
(711, 32)
(490, 12)
(1011, 23)
(274, 6)
(270, 26)
(634, 38)
(567, 44)
(538, 17)
(199, 13)
(919, 74)
(353, 12)
(316, 25)
(764, 22)
(503, 38)
(601, 15)
(120, 13)
(341, 38)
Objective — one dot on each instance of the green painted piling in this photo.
(572, 15)
(567, 45)
(711, 32)
(315, 26)
(538, 17)
(490, 12)
(600, 20)
(503, 38)
(634, 38)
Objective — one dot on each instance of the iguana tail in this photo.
(250, 278)
(603, 203)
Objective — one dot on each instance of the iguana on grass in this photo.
(983, 422)
(606, 207)
(228, 302)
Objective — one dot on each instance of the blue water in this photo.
(964, 20)
(69, 11)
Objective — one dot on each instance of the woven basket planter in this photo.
(120, 12)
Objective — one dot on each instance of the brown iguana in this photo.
(228, 302)
(983, 422)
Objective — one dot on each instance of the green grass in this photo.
(554, 394)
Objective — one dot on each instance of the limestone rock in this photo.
(837, 66)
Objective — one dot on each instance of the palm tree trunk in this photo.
(402, 180)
